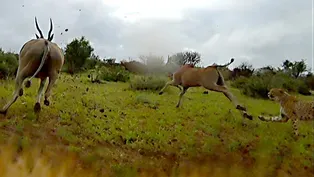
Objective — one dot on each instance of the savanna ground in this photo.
(111, 130)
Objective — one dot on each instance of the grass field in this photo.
(116, 131)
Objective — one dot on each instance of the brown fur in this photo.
(290, 108)
(39, 58)
(210, 78)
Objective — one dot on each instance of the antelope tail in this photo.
(227, 64)
(220, 80)
(43, 59)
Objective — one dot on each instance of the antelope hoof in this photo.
(37, 108)
(21, 92)
(46, 102)
(4, 112)
(160, 93)
(261, 118)
(28, 84)
(248, 116)
(239, 107)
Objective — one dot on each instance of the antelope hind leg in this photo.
(181, 95)
(166, 85)
(229, 95)
(18, 92)
(52, 80)
(179, 87)
(37, 106)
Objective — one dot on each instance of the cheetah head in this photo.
(276, 94)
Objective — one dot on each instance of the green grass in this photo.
(112, 126)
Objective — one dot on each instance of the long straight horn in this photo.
(50, 37)
(41, 34)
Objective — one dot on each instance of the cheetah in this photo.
(290, 108)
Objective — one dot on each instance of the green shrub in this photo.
(111, 74)
(148, 82)
(256, 87)
(91, 63)
(304, 89)
(309, 80)
(259, 86)
(240, 82)
(114, 74)
(8, 64)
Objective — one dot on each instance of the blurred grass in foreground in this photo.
(36, 161)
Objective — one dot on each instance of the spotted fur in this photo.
(290, 108)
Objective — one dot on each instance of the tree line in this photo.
(80, 56)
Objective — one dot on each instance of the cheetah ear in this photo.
(283, 91)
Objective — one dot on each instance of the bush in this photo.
(114, 74)
(226, 73)
(304, 90)
(8, 64)
(259, 86)
(148, 82)
(76, 54)
(240, 82)
(255, 86)
(309, 80)
(91, 63)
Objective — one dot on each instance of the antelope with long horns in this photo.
(210, 78)
(39, 58)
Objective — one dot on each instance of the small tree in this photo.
(110, 61)
(244, 69)
(295, 69)
(8, 64)
(92, 62)
(298, 68)
(266, 69)
(287, 65)
(76, 54)
(187, 57)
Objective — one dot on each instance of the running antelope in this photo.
(39, 58)
(210, 78)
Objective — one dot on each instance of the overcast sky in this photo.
(261, 32)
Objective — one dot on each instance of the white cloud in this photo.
(263, 32)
